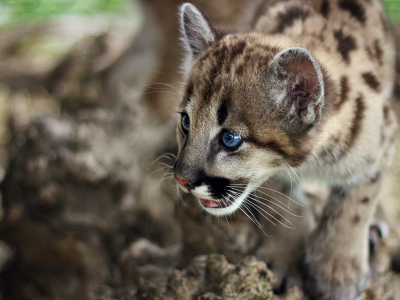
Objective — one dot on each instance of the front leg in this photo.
(336, 261)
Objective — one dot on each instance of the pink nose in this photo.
(185, 183)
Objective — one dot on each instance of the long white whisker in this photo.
(162, 168)
(253, 197)
(165, 155)
(164, 84)
(165, 177)
(279, 201)
(258, 223)
(292, 171)
(261, 187)
(254, 220)
(255, 206)
(291, 184)
(253, 216)
(227, 201)
(168, 92)
(178, 196)
(276, 204)
(259, 208)
(166, 165)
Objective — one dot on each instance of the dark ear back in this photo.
(296, 86)
(197, 32)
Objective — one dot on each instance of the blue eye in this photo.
(231, 141)
(185, 123)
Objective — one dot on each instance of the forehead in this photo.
(235, 54)
(228, 74)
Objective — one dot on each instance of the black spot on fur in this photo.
(240, 70)
(344, 88)
(354, 8)
(370, 53)
(222, 113)
(383, 136)
(345, 44)
(237, 49)
(325, 8)
(356, 219)
(371, 80)
(365, 200)
(386, 114)
(357, 121)
(396, 262)
(375, 178)
(344, 91)
(378, 52)
(287, 18)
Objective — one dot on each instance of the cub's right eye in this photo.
(185, 123)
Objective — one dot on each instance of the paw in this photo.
(329, 277)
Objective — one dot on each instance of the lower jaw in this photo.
(225, 206)
(216, 203)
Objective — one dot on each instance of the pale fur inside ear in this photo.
(296, 83)
(197, 32)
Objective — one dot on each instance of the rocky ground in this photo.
(90, 209)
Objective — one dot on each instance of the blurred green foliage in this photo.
(393, 9)
(13, 12)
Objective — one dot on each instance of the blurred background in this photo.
(88, 90)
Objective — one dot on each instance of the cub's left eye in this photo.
(185, 122)
(230, 140)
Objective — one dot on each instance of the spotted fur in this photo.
(307, 87)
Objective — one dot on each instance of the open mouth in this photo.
(226, 200)
(217, 203)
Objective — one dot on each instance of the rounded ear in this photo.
(295, 84)
(197, 32)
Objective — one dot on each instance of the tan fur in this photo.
(307, 88)
(160, 30)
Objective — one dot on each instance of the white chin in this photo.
(222, 211)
